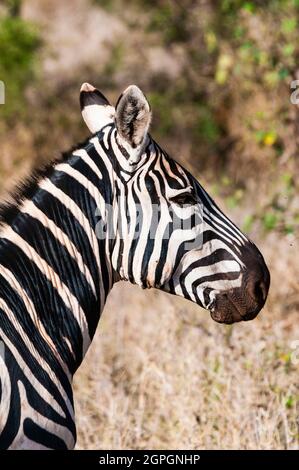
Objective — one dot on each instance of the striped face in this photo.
(166, 232)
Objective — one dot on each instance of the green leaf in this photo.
(288, 25)
(289, 402)
(283, 73)
(211, 41)
(271, 78)
(249, 6)
(19, 41)
(259, 136)
(287, 179)
(288, 50)
(231, 202)
(248, 222)
(270, 221)
(289, 229)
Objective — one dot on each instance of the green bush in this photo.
(19, 41)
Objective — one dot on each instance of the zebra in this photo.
(61, 251)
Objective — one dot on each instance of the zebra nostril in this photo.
(256, 279)
(259, 291)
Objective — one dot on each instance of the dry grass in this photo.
(162, 375)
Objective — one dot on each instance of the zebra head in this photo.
(167, 231)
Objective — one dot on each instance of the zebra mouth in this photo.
(224, 310)
(226, 317)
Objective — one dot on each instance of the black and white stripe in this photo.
(61, 250)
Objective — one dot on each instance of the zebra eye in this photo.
(184, 199)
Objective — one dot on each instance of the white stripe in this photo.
(80, 178)
(29, 374)
(106, 131)
(32, 350)
(123, 162)
(100, 203)
(76, 212)
(104, 157)
(170, 173)
(195, 255)
(27, 411)
(220, 267)
(63, 291)
(82, 153)
(229, 222)
(220, 232)
(5, 400)
(30, 309)
(164, 222)
(110, 170)
(234, 237)
(30, 208)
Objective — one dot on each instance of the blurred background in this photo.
(160, 373)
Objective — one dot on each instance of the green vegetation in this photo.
(19, 41)
(239, 60)
(115, 62)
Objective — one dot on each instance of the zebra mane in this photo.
(26, 188)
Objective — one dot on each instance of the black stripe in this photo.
(37, 371)
(64, 219)
(16, 304)
(82, 198)
(40, 435)
(88, 98)
(66, 267)
(226, 276)
(55, 316)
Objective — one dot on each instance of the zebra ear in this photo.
(133, 116)
(96, 109)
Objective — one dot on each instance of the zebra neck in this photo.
(54, 264)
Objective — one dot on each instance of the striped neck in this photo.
(55, 258)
